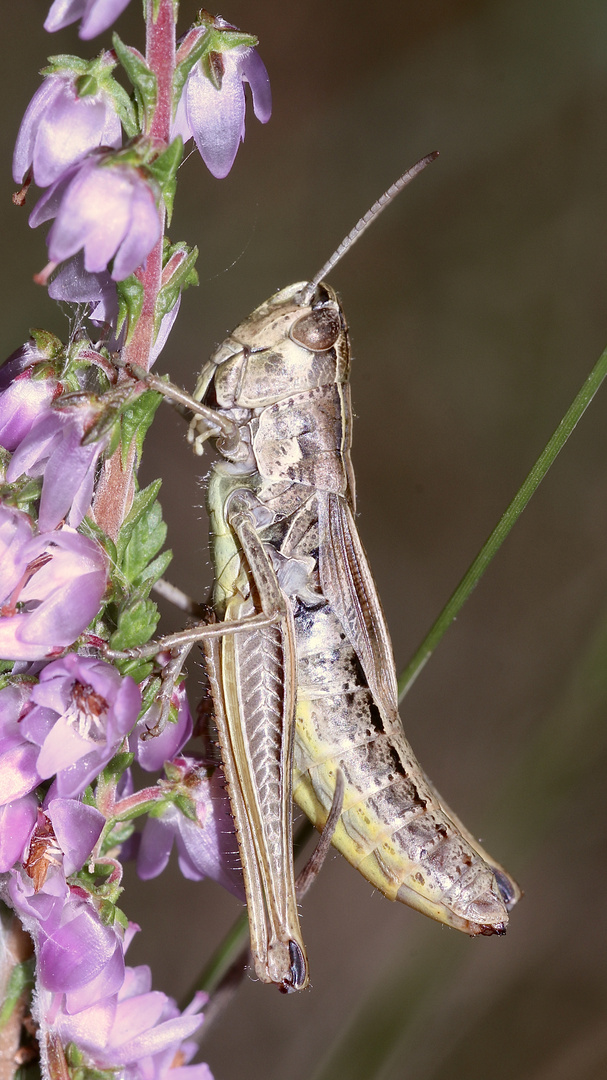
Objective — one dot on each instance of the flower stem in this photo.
(115, 490)
(491, 546)
(160, 55)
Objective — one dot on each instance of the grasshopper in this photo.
(299, 661)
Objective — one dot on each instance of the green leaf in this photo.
(79, 1071)
(187, 807)
(22, 493)
(125, 108)
(136, 625)
(164, 170)
(123, 921)
(212, 66)
(141, 502)
(109, 409)
(65, 62)
(150, 693)
(218, 41)
(73, 1055)
(118, 835)
(153, 571)
(21, 979)
(139, 540)
(87, 85)
(91, 880)
(136, 668)
(224, 40)
(107, 913)
(147, 537)
(136, 420)
(171, 772)
(89, 528)
(46, 342)
(142, 78)
(115, 768)
(182, 277)
(148, 806)
(130, 303)
(165, 166)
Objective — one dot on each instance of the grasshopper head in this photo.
(294, 342)
(284, 347)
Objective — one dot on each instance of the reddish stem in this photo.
(160, 55)
(115, 490)
(127, 807)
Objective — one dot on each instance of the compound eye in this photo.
(318, 330)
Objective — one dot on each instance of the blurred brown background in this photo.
(477, 305)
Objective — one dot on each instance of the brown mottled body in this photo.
(282, 505)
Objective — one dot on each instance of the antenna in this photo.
(364, 222)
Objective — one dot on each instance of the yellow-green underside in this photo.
(361, 836)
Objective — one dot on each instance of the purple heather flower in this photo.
(73, 285)
(18, 774)
(82, 711)
(147, 1023)
(53, 449)
(38, 890)
(59, 128)
(23, 402)
(81, 958)
(138, 1030)
(60, 841)
(24, 359)
(77, 827)
(173, 1063)
(51, 585)
(216, 118)
(96, 15)
(17, 821)
(107, 208)
(77, 954)
(206, 847)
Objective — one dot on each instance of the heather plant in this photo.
(81, 549)
(81, 544)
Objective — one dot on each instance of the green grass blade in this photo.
(493, 543)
